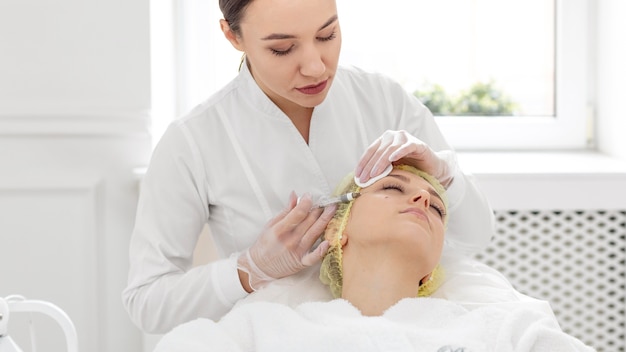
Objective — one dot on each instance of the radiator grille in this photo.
(574, 260)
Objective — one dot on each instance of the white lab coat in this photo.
(233, 161)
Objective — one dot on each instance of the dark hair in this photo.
(233, 11)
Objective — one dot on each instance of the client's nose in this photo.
(422, 197)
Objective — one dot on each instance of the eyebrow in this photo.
(275, 36)
(431, 190)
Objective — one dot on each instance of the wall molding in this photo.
(89, 192)
(75, 124)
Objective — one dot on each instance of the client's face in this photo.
(403, 213)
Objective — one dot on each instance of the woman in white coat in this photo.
(289, 126)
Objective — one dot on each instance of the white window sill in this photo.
(543, 180)
(548, 180)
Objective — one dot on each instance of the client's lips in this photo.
(314, 88)
(420, 213)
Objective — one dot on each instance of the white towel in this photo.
(415, 324)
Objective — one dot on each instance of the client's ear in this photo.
(425, 278)
(343, 238)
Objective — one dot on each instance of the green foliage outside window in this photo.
(481, 99)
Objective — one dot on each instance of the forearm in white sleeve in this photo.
(177, 298)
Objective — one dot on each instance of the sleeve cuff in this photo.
(227, 284)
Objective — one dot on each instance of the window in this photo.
(528, 59)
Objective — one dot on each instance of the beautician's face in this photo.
(403, 212)
(293, 49)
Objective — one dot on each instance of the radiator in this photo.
(574, 260)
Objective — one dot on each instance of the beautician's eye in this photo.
(281, 52)
(330, 37)
(393, 186)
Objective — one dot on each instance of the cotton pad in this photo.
(386, 172)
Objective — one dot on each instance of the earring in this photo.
(243, 58)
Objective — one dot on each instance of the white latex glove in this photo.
(284, 247)
(395, 145)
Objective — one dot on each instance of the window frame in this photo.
(572, 126)
(570, 129)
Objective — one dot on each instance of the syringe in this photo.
(344, 198)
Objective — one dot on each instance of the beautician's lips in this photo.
(314, 88)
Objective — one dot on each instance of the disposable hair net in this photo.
(331, 273)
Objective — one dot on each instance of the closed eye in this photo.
(393, 186)
(278, 52)
(332, 36)
(281, 52)
(439, 209)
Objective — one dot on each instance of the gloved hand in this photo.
(395, 145)
(284, 246)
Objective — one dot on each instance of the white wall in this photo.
(74, 122)
(611, 77)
